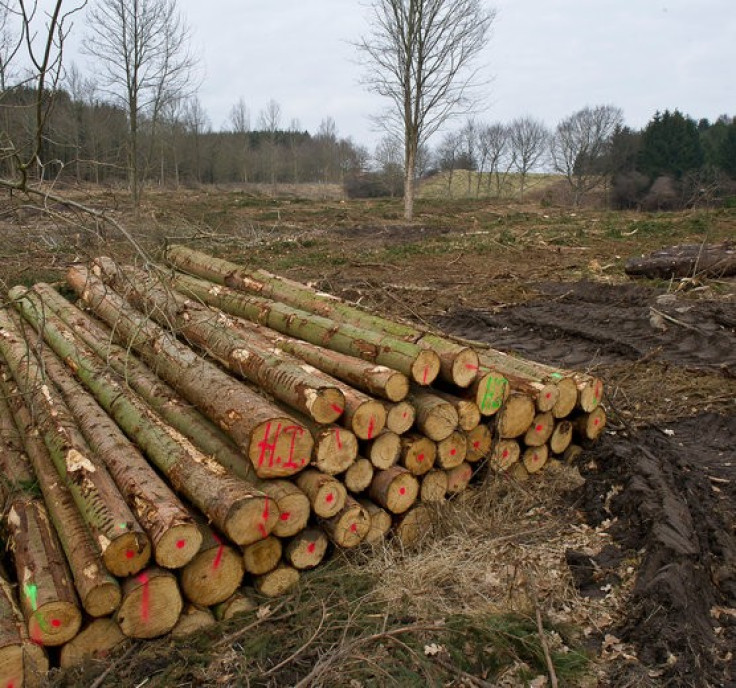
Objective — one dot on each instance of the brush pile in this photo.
(197, 429)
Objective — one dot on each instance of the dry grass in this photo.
(464, 184)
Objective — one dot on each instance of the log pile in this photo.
(196, 431)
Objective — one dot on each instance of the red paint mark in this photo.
(402, 491)
(469, 366)
(264, 516)
(181, 544)
(337, 409)
(11, 685)
(539, 428)
(505, 453)
(218, 557)
(549, 395)
(145, 597)
(426, 375)
(406, 415)
(330, 498)
(268, 450)
(56, 623)
(295, 431)
(535, 458)
(453, 451)
(476, 444)
(354, 528)
(338, 438)
(371, 427)
(596, 422)
(311, 547)
(420, 458)
(285, 515)
(129, 553)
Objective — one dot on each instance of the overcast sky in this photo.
(546, 58)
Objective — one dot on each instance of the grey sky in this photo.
(546, 58)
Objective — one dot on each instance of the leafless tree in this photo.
(449, 151)
(269, 121)
(495, 150)
(579, 147)
(421, 56)
(389, 158)
(469, 138)
(141, 49)
(528, 140)
(240, 122)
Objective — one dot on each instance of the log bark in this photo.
(459, 364)
(262, 556)
(237, 603)
(534, 458)
(515, 417)
(540, 430)
(48, 599)
(359, 476)
(307, 549)
(395, 489)
(11, 642)
(458, 478)
(451, 451)
(98, 638)
(151, 604)
(384, 451)
(400, 417)
(381, 522)
(349, 527)
(420, 365)
(98, 590)
(215, 573)
(436, 418)
(173, 532)
(418, 453)
(275, 444)
(434, 487)
(480, 441)
(686, 260)
(277, 582)
(192, 620)
(122, 542)
(326, 494)
(376, 380)
(242, 513)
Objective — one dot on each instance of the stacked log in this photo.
(191, 438)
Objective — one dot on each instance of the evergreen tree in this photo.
(727, 151)
(670, 145)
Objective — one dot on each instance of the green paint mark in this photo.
(557, 376)
(31, 592)
(122, 526)
(493, 393)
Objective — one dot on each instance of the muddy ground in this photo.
(548, 284)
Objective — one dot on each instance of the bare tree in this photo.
(269, 121)
(579, 147)
(420, 54)
(528, 140)
(495, 150)
(141, 49)
(240, 122)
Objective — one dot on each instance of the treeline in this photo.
(673, 162)
(86, 140)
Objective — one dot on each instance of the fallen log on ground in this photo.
(686, 260)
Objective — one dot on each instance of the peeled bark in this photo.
(359, 476)
(436, 418)
(395, 489)
(459, 364)
(173, 532)
(349, 527)
(451, 451)
(215, 573)
(242, 513)
(277, 582)
(434, 487)
(307, 549)
(421, 365)
(480, 441)
(262, 556)
(400, 417)
(124, 546)
(384, 451)
(418, 453)
(326, 494)
(151, 604)
(98, 590)
(380, 522)
(98, 638)
(276, 445)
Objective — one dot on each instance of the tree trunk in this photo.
(215, 573)
(349, 527)
(409, 174)
(124, 546)
(98, 591)
(421, 365)
(687, 260)
(151, 604)
(459, 363)
(281, 375)
(98, 638)
(275, 444)
(326, 494)
(172, 530)
(436, 418)
(243, 514)
(292, 505)
(262, 556)
(395, 489)
(418, 453)
(307, 549)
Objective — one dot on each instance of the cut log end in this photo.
(384, 451)
(547, 396)
(278, 582)
(540, 430)
(279, 448)
(54, 623)
(534, 458)
(505, 453)
(516, 416)
(561, 437)
(400, 417)
(395, 489)
(359, 476)
(237, 603)
(212, 576)
(369, 419)
(11, 666)
(591, 395)
(418, 453)
(178, 545)
(464, 367)
(127, 554)
(326, 494)
(307, 549)
(480, 441)
(262, 556)
(102, 600)
(491, 390)
(438, 420)
(434, 487)
(451, 451)
(327, 405)
(251, 520)
(414, 526)
(425, 368)
(568, 397)
(591, 425)
(151, 604)
(381, 522)
(192, 620)
(335, 450)
(458, 478)
(349, 528)
(396, 387)
(294, 510)
(96, 640)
